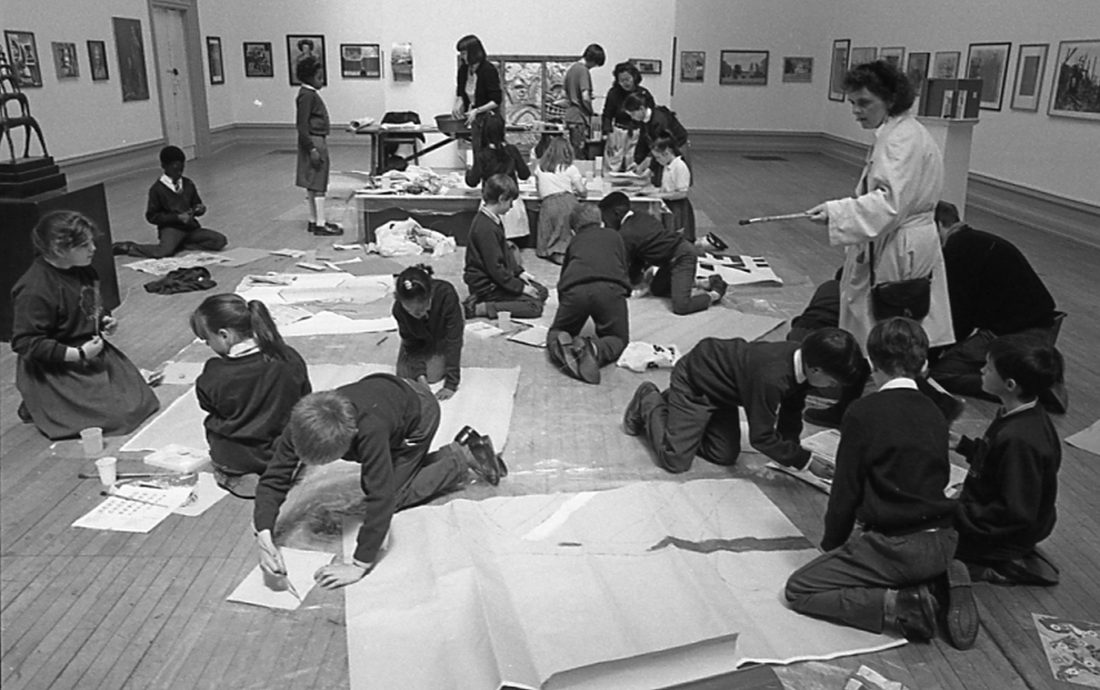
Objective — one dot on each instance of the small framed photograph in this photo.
(895, 56)
(1031, 64)
(23, 57)
(360, 61)
(917, 71)
(838, 67)
(989, 62)
(300, 46)
(257, 59)
(647, 65)
(97, 60)
(130, 52)
(64, 60)
(798, 70)
(945, 65)
(743, 68)
(693, 65)
(214, 61)
(862, 56)
(1076, 90)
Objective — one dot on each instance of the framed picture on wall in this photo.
(130, 48)
(863, 55)
(895, 56)
(743, 68)
(1076, 90)
(299, 46)
(97, 60)
(945, 65)
(64, 60)
(917, 71)
(989, 62)
(838, 66)
(214, 61)
(1031, 64)
(693, 65)
(798, 70)
(360, 61)
(23, 57)
(257, 59)
(647, 65)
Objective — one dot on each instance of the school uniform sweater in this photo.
(248, 401)
(648, 243)
(165, 205)
(387, 411)
(759, 377)
(1007, 504)
(661, 121)
(595, 254)
(891, 467)
(311, 117)
(504, 161)
(613, 113)
(439, 332)
(489, 263)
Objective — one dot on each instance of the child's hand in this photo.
(93, 347)
(315, 159)
(819, 214)
(271, 559)
(531, 291)
(185, 217)
(336, 575)
(199, 209)
(820, 467)
(108, 325)
(444, 394)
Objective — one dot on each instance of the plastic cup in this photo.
(504, 320)
(92, 440)
(107, 466)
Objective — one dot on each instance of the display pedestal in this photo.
(17, 252)
(953, 136)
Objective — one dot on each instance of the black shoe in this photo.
(588, 364)
(827, 417)
(311, 227)
(717, 284)
(633, 422)
(240, 485)
(485, 462)
(327, 230)
(123, 248)
(717, 242)
(915, 613)
(961, 614)
(561, 348)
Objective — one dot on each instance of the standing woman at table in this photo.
(620, 131)
(478, 92)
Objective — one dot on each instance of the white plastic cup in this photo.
(107, 467)
(504, 320)
(92, 440)
(599, 166)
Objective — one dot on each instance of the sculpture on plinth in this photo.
(27, 175)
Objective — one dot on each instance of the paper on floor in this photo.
(330, 323)
(135, 508)
(300, 567)
(1087, 439)
(737, 269)
(204, 494)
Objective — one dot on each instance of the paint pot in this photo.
(107, 467)
(92, 441)
(504, 320)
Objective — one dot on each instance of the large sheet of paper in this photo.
(275, 594)
(162, 267)
(134, 508)
(330, 323)
(1087, 439)
(300, 288)
(737, 269)
(652, 321)
(652, 584)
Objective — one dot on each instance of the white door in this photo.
(175, 87)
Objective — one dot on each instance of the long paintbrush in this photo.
(769, 219)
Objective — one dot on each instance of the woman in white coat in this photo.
(893, 206)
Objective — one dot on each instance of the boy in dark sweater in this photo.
(386, 424)
(174, 207)
(494, 277)
(648, 243)
(1007, 504)
(698, 412)
(888, 526)
(594, 284)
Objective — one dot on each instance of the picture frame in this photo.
(299, 46)
(258, 59)
(1031, 61)
(1076, 88)
(743, 68)
(989, 62)
(97, 60)
(693, 66)
(894, 56)
(838, 67)
(916, 69)
(215, 62)
(130, 50)
(23, 57)
(945, 64)
(64, 60)
(863, 55)
(798, 70)
(647, 65)
(360, 61)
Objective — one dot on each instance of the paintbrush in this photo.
(112, 494)
(292, 589)
(768, 219)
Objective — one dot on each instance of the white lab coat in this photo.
(896, 197)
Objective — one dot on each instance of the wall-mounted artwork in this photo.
(917, 71)
(97, 60)
(945, 65)
(743, 68)
(533, 88)
(1076, 91)
(647, 65)
(862, 56)
(989, 62)
(214, 61)
(798, 70)
(401, 62)
(258, 61)
(23, 56)
(360, 61)
(895, 56)
(838, 67)
(693, 65)
(64, 60)
(301, 46)
(1031, 64)
(130, 48)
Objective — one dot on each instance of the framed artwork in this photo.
(863, 55)
(647, 65)
(300, 46)
(917, 71)
(1076, 91)
(214, 62)
(743, 68)
(838, 66)
(64, 60)
(360, 61)
(945, 65)
(23, 57)
(693, 65)
(798, 70)
(989, 62)
(534, 89)
(401, 61)
(257, 59)
(1030, 65)
(97, 60)
(131, 59)
(895, 56)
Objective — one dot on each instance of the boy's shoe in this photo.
(716, 242)
(961, 614)
(633, 422)
(327, 230)
(584, 353)
(240, 485)
(123, 248)
(717, 284)
(485, 462)
(311, 227)
(915, 613)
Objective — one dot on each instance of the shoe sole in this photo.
(962, 620)
(629, 427)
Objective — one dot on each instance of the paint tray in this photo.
(177, 458)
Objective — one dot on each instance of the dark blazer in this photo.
(487, 89)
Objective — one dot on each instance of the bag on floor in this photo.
(182, 280)
(639, 356)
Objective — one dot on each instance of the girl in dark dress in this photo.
(429, 320)
(497, 156)
(69, 375)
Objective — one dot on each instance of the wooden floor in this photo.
(87, 609)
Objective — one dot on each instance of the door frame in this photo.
(196, 72)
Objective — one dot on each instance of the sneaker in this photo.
(587, 359)
(915, 613)
(122, 248)
(633, 422)
(961, 614)
(485, 462)
(717, 285)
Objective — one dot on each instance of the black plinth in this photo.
(27, 177)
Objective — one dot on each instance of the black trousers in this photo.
(605, 303)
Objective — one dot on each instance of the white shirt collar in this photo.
(494, 217)
(167, 182)
(628, 214)
(799, 374)
(244, 348)
(899, 382)
(311, 87)
(1021, 408)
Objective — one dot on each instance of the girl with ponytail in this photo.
(429, 320)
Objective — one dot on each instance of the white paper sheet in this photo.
(330, 323)
(204, 494)
(162, 267)
(1087, 439)
(181, 373)
(300, 567)
(482, 329)
(135, 509)
(737, 269)
(534, 336)
(239, 256)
